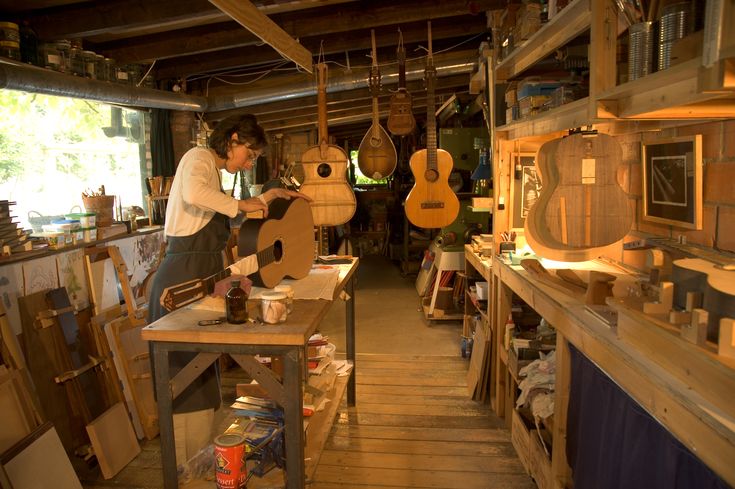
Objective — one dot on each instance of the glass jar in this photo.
(9, 40)
(99, 67)
(53, 55)
(111, 74)
(288, 290)
(273, 307)
(236, 304)
(89, 58)
(76, 62)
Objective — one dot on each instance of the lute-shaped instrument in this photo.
(431, 203)
(376, 156)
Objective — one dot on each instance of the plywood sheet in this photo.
(42, 463)
(113, 440)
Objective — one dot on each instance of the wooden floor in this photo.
(414, 426)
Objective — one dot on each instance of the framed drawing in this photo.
(672, 181)
(526, 186)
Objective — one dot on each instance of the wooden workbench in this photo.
(178, 331)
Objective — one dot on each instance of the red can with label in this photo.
(229, 461)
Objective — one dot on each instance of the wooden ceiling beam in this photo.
(247, 15)
(445, 28)
(307, 24)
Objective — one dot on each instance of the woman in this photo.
(196, 230)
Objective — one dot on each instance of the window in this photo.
(54, 148)
(361, 179)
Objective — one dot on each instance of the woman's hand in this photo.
(282, 193)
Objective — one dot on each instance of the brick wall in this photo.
(718, 184)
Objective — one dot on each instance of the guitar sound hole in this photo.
(324, 170)
(277, 250)
(431, 175)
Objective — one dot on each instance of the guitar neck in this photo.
(431, 163)
(401, 68)
(376, 118)
(430, 119)
(321, 98)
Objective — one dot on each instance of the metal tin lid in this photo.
(229, 440)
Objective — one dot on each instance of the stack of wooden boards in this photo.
(80, 378)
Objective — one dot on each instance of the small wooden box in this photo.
(482, 202)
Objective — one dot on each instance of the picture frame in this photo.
(526, 186)
(672, 181)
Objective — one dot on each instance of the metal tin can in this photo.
(229, 461)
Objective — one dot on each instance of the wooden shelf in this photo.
(569, 23)
(574, 114)
(675, 93)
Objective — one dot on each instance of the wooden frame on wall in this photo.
(672, 181)
(526, 183)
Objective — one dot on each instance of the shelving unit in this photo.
(694, 90)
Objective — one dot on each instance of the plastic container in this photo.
(86, 219)
(66, 225)
(89, 235)
(288, 290)
(55, 240)
(9, 40)
(273, 307)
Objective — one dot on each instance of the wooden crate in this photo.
(540, 463)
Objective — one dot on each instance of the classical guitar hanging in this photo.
(431, 203)
(400, 118)
(376, 156)
(274, 248)
(325, 170)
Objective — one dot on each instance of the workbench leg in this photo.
(293, 413)
(350, 339)
(165, 416)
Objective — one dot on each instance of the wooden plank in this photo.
(477, 409)
(434, 461)
(413, 478)
(320, 425)
(421, 390)
(113, 440)
(101, 277)
(474, 422)
(423, 447)
(39, 461)
(16, 423)
(477, 363)
(437, 433)
(133, 356)
(407, 400)
(247, 15)
(573, 20)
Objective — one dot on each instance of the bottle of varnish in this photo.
(236, 304)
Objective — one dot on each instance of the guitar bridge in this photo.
(432, 204)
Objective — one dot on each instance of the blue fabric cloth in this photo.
(613, 443)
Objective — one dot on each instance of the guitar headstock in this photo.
(178, 296)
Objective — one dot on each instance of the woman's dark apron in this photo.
(187, 258)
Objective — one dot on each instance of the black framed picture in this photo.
(672, 181)
(526, 186)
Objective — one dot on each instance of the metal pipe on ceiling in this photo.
(20, 76)
(305, 86)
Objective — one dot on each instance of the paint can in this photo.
(229, 461)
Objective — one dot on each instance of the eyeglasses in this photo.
(253, 155)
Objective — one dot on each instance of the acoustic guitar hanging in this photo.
(431, 203)
(376, 156)
(325, 170)
(400, 118)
